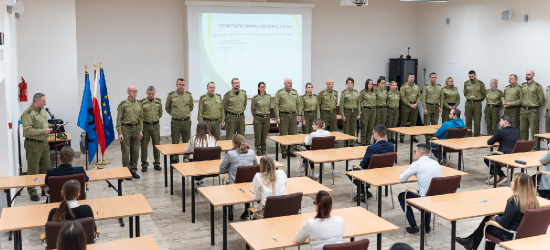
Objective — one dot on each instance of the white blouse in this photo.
(193, 143)
(317, 133)
(261, 191)
(321, 232)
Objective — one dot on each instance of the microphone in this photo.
(48, 110)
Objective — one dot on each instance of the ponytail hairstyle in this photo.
(240, 144)
(319, 123)
(323, 201)
(71, 237)
(70, 191)
(267, 172)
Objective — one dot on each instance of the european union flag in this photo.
(86, 120)
(106, 111)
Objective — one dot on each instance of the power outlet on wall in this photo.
(450, 60)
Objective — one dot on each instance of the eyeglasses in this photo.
(314, 203)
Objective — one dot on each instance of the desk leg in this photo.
(347, 165)
(276, 151)
(494, 174)
(288, 161)
(379, 201)
(359, 192)
(183, 193)
(422, 228)
(224, 227)
(307, 167)
(247, 247)
(460, 160)
(212, 241)
(165, 171)
(352, 239)
(321, 173)
(453, 235)
(171, 180)
(15, 239)
(192, 201)
(378, 241)
(8, 198)
(440, 154)
(131, 220)
(386, 191)
(120, 194)
(138, 231)
(411, 151)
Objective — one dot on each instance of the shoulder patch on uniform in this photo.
(172, 92)
(268, 95)
(499, 91)
(203, 96)
(144, 99)
(218, 94)
(158, 99)
(29, 111)
(123, 101)
(242, 90)
(537, 83)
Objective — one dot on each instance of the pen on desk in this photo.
(273, 237)
(41, 179)
(35, 179)
(241, 190)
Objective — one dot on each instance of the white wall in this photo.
(478, 39)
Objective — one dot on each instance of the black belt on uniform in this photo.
(235, 114)
(181, 120)
(513, 107)
(472, 101)
(528, 108)
(381, 107)
(493, 106)
(352, 110)
(288, 113)
(131, 124)
(367, 107)
(211, 120)
(261, 116)
(437, 104)
(311, 112)
(451, 104)
(393, 108)
(33, 140)
(330, 111)
(151, 123)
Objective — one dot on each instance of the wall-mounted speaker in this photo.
(506, 15)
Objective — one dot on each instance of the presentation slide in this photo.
(252, 47)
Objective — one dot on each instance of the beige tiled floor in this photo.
(173, 229)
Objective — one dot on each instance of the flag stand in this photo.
(103, 161)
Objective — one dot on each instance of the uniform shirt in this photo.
(129, 112)
(494, 97)
(34, 122)
(235, 103)
(381, 97)
(349, 100)
(474, 91)
(424, 169)
(547, 95)
(328, 100)
(286, 101)
(393, 99)
(450, 95)
(260, 104)
(531, 94)
(211, 107)
(321, 232)
(410, 94)
(179, 106)
(367, 99)
(431, 94)
(512, 94)
(152, 109)
(309, 103)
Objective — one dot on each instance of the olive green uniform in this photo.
(350, 108)
(328, 100)
(492, 110)
(37, 150)
(309, 105)
(287, 107)
(393, 111)
(129, 123)
(381, 111)
(367, 99)
(152, 112)
(211, 112)
(234, 105)
(512, 94)
(474, 92)
(259, 107)
(179, 106)
(532, 97)
(547, 113)
(449, 98)
(410, 94)
(431, 101)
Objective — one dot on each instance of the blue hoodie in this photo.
(454, 123)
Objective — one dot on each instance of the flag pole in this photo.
(85, 133)
(103, 161)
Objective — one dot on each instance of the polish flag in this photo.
(97, 115)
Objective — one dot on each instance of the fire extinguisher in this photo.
(23, 90)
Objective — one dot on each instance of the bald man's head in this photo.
(288, 83)
(529, 75)
(330, 84)
(132, 92)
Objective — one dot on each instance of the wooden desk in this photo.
(291, 140)
(51, 138)
(459, 206)
(463, 144)
(412, 131)
(242, 193)
(35, 216)
(141, 243)
(357, 222)
(178, 149)
(198, 168)
(541, 242)
(531, 159)
(379, 177)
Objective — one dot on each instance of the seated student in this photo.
(454, 122)
(424, 169)
(202, 138)
(323, 229)
(241, 155)
(401, 246)
(544, 181)
(71, 237)
(523, 198)
(66, 156)
(269, 181)
(506, 137)
(381, 146)
(69, 209)
(319, 126)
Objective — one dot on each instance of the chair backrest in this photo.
(354, 245)
(246, 173)
(53, 228)
(454, 133)
(207, 153)
(444, 185)
(322, 142)
(55, 185)
(382, 160)
(535, 222)
(283, 205)
(523, 146)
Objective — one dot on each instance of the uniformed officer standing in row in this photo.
(152, 112)
(492, 109)
(511, 99)
(129, 126)
(474, 92)
(450, 98)
(179, 105)
(211, 110)
(328, 100)
(431, 100)
(532, 97)
(547, 112)
(287, 107)
(234, 103)
(410, 96)
(259, 107)
(350, 109)
(309, 104)
(381, 102)
(35, 130)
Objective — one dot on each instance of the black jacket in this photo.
(380, 147)
(65, 169)
(82, 211)
(506, 138)
(511, 218)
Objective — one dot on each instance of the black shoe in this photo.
(35, 198)
(413, 230)
(157, 167)
(369, 195)
(414, 140)
(128, 179)
(135, 175)
(244, 215)
(43, 193)
(284, 156)
(144, 169)
(401, 140)
(465, 242)
(230, 213)
(428, 229)
(292, 154)
(362, 198)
